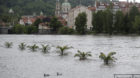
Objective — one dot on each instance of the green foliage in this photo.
(102, 21)
(55, 24)
(8, 44)
(30, 29)
(33, 48)
(127, 24)
(81, 23)
(37, 22)
(98, 25)
(21, 29)
(132, 14)
(18, 29)
(82, 55)
(22, 46)
(136, 24)
(5, 18)
(107, 59)
(66, 30)
(119, 22)
(45, 48)
(108, 22)
(63, 49)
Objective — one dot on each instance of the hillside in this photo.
(26, 7)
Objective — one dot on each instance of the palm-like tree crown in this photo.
(107, 58)
(8, 44)
(45, 48)
(22, 46)
(63, 49)
(83, 55)
(33, 47)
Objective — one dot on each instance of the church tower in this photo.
(58, 8)
(66, 7)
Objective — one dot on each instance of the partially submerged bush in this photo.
(109, 58)
(63, 49)
(22, 46)
(83, 55)
(33, 47)
(45, 48)
(8, 44)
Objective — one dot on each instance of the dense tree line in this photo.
(118, 23)
(21, 29)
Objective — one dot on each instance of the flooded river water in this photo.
(26, 64)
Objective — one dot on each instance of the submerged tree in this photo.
(107, 59)
(33, 47)
(22, 46)
(8, 44)
(45, 48)
(82, 55)
(63, 49)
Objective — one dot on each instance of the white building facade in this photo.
(73, 13)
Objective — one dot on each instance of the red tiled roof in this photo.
(31, 18)
(92, 8)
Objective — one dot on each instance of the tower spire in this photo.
(66, 0)
(58, 8)
(134, 1)
(127, 1)
(80, 3)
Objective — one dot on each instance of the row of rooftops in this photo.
(121, 5)
(29, 19)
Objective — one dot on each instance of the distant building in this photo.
(73, 13)
(4, 27)
(69, 14)
(103, 6)
(29, 20)
(62, 10)
(123, 6)
(4, 30)
(44, 28)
